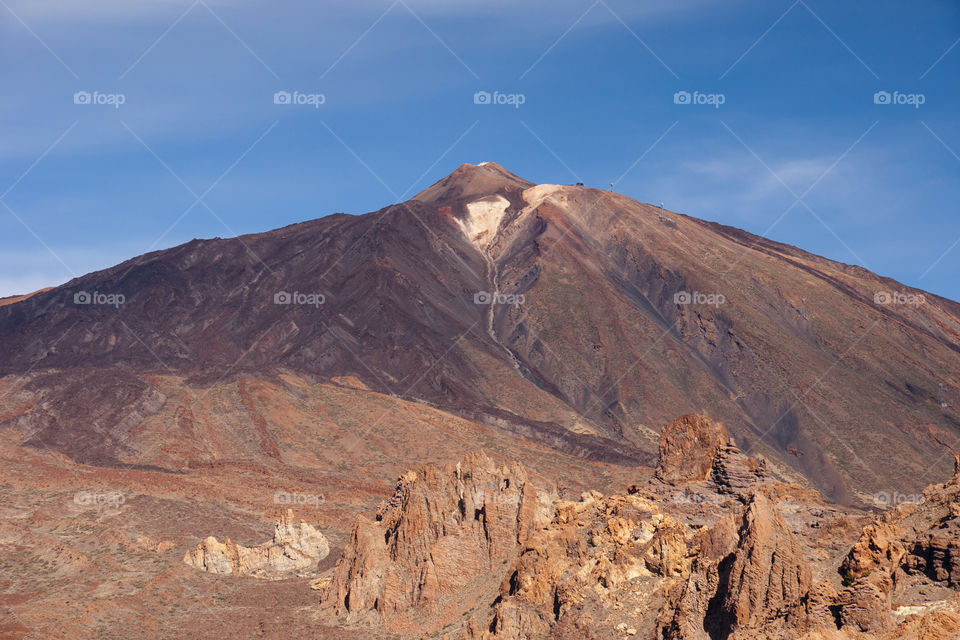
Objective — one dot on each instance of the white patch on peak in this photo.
(538, 193)
(483, 220)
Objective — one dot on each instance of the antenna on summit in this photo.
(611, 186)
(660, 213)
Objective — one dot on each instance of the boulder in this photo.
(295, 550)
(688, 446)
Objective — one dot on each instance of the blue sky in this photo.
(798, 150)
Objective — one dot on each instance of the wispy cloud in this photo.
(753, 184)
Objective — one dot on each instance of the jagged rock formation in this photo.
(819, 607)
(468, 552)
(573, 574)
(899, 555)
(769, 576)
(878, 548)
(694, 448)
(296, 549)
(745, 581)
(735, 473)
(443, 540)
(688, 446)
(869, 566)
(865, 606)
(938, 554)
(937, 551)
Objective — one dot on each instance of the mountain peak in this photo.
(471, 181)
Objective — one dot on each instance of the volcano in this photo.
(564, 320)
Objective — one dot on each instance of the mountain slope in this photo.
(558, 314)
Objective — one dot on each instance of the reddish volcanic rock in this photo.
(865, 606)
(638, 564)
(446, 534)
(879, 548)
(688, 446)
(744, 582)
(735, 473)
(769, 575)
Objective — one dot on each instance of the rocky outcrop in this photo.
(745, 581)
(444, 539)
(733, 472)
(597, 570)
(668, 554)
(691, 602)
(473, 552)
(694, 448)
(937, 554)
(768, 576)
(934, 547)
(865, 605)
(918, 538)
(878, 549)
(688, 446)
(619, 560)
(296, 549)
(819, 607)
